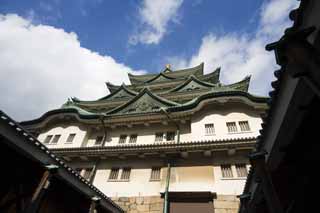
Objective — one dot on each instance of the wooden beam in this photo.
(93, 205)
(258, 162)
(39, 192)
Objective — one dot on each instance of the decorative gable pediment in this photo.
(121, 93)
(159, 78)
(192, 84)
(143, 102)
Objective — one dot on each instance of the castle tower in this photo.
(177, 139)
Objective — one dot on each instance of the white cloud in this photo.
(41, 66)
(240, 54)
(154, 17)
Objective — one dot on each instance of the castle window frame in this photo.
(99, 140)
(159, 137)
(244, 126)
(209, 129)
(241, 170)
(48, 139)
(226, 171)
(55, 139)
(114, 174)
(232, 127)
(170, 136)
(71, 137)
(133, 138)
(125, 174)
(155, 174)
(123, 139)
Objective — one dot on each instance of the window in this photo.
(70, 138)
(125, 175)
(241, 170)
(244, 126)
(226, 171)
(133, 139)
(86, 173)
(122, 138)
(55, 139)
(209, 129)
(170, 136)
(155, 174)
(114, 174)
(159, 137)
(98, 141)
(232, 127)
(48, 139)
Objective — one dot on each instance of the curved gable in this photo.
(121, 93)
(145, 101)
(192, 84)
(161, 77)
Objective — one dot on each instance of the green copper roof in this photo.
(142, 79)
(162, 79)
(145, 101)
(121, 92)
(186, 87)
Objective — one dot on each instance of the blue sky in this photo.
(52, 50)
(106, 26)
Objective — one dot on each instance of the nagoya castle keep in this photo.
(174, 141)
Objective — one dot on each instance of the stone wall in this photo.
(226, 204)
(150, 204)
(154, 204)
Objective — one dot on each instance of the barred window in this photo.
(209, 129)
(71, 138)
(122, 138)
(86, 173)
(241, 170)
(159, 137)
(155, 174)
(125, 175)
(55, 139)
(226, 171)
(232, 127)
(114, 174)
(170, 136)
(133, 138)
(48, 139)
(244, 126)
(98, 141)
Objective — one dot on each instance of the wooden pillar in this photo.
(93, 204)
(258, 162)
(244, 199)
(41, 189)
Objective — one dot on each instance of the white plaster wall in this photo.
(219, 116)
(146, 134)
(64, 131)
(183, 178)
(193, 130)
(228, 186)
(139, 184)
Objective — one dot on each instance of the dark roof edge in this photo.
(34, 148)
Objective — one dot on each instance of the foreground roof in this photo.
(26, 144)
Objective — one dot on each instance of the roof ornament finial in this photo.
(168, 66)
